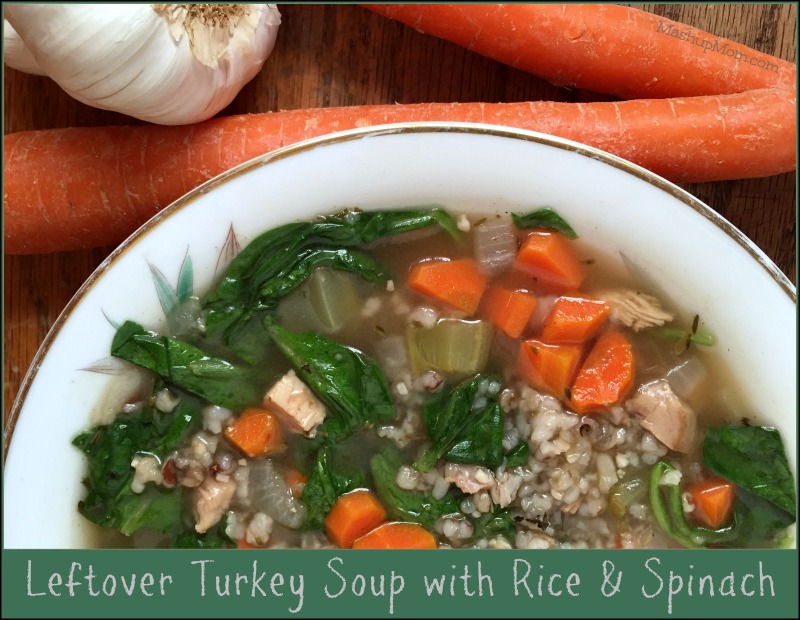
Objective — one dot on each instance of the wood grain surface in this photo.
(335, 55)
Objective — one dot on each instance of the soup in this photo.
(417, 379)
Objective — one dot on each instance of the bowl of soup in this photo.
(418, 336)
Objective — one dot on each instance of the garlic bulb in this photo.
(17, 56)
(171, 64)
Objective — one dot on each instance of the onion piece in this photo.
(495, 245)
(544, 307)
(333, 297)
(685, 378)
(271, 494)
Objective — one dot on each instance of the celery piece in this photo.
(624, 493)
(333, 297)
(451, 346)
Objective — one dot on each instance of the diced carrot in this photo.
(256, 432)
(353, 515)
(575, 319)
(508, 310)
(457, 283)
(713, 500)
(548, 257)
(548, 367)
(397, 536)
(296, 481)
(606, 375)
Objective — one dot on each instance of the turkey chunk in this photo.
(211, 500)
(634, 309)
(664, 414)
(294, 402)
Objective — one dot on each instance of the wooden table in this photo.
(334, 55)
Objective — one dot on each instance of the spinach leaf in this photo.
(753, 458)
(327, 481)
(666, 504)
(154, 508)
(350, 384)
(308, 260)
(306, 451)
(544, 218)
(215, 538)
(110, 502)
(218, 381)
(518, 455)
(406, 505)
(761, 521)
(247, 285)
(481, 443)
(248, 338)
(464, 425)
(499, 522)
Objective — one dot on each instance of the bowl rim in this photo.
(376, 131)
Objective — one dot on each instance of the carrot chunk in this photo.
(548, 367)
(256, 432)
(457, 283)
(353, 515)
(713, 501)
(575, 319)
(396, 536)
(548, 257)
(508, 310)
(606, 375)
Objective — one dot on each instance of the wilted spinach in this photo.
(247, 292)
(351, 385)
(518, 455)
(544, 218)
(110, 502)
(215, 538)
(406, 505)
(328, 479)
(464, 425)
(352, 261)
(499, 522)
(753, 458)
(666, 504)
(181, 364)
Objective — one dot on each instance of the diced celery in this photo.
(451, 346)
(624, 493)
(333, 297)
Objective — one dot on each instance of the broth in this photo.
(579, 480)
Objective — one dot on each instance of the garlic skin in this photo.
(15, 54)
(171, 64)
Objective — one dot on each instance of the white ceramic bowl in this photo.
(706, 265)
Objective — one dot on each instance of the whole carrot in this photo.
(604, 48)
(75, 188)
